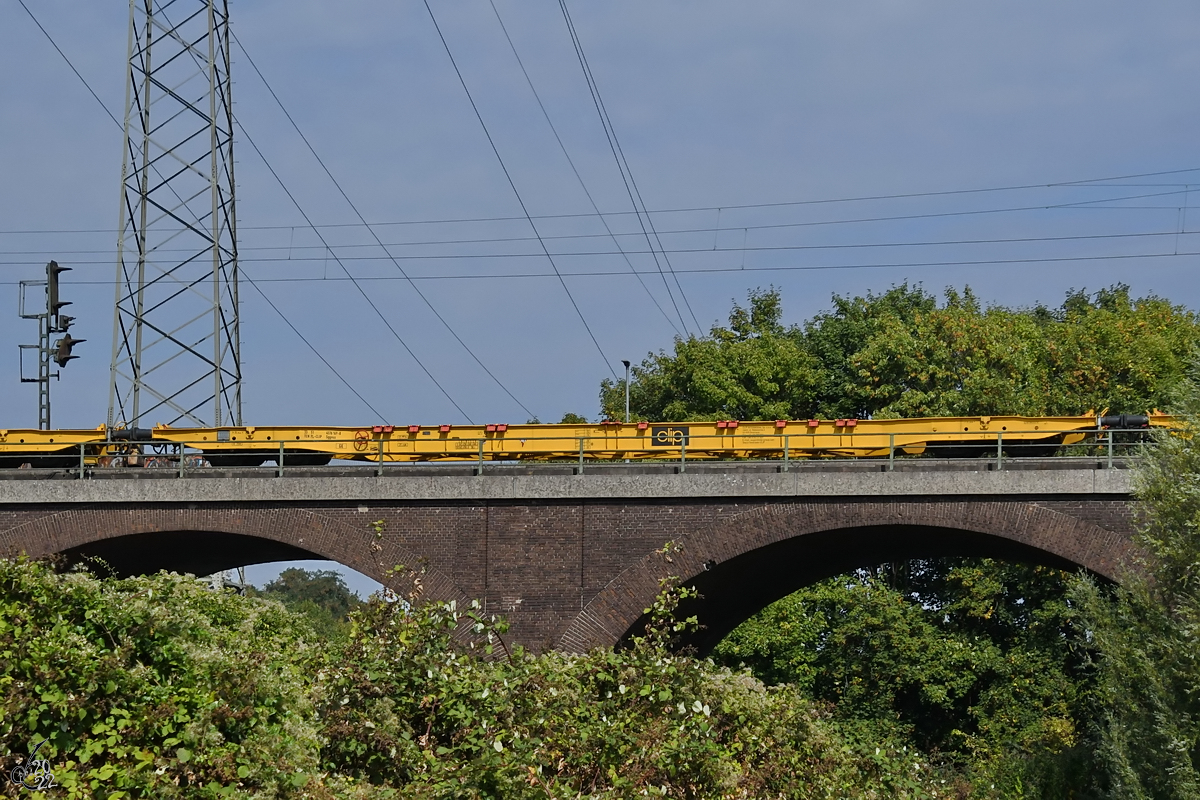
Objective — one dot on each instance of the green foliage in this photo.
(572, 419)
(968, 658)
(754, 369)
(901, 354)
(983, 663)
(958, 360)
(1146, 634)
(1108, 350)
(410, 708)
(157, 687)
(320, 595)
(835, 337)
(152, 686)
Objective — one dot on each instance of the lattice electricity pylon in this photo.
(176, 343)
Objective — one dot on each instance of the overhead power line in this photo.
(513, 186)
(714, 270)
(354, 281)
(842, 246)
(82, 80)
(631, 188)
(553, 129)
(1081, 204)
(811, 267)
(314, 350)
(325, 252)
(378, 242)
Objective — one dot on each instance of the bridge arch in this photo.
(747, 561)
(207, 539)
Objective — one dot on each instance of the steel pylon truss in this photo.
(176, 349)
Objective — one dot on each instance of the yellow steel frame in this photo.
(27, 441)
(611, 441)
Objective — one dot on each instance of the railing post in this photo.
(1000, 450)
(891, 452)
(379, 463)
(479, 469)
(786, 452)
(279, 461)
(682, 455)
(182, 456)
(579, 469)
(82, 463)
(1110, 449)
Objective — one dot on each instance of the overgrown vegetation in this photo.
(157, 687)
(979, 663)
(1145, 636)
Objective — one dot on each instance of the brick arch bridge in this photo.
(573, 560)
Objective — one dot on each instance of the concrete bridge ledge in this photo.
(415, 487)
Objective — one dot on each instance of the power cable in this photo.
(374, 235)
(1087, 183)
(310, 346)
(849, 246)
(715, 270)
(327, 252)
(575, 170)
(352, 279)
(803, 268)
(513, 185)
(69, 64)
(623, 167)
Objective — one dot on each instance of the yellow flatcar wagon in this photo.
(949, 437)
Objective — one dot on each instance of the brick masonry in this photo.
(577, 573)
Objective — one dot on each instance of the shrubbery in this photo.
(153, 686)
(158, 687)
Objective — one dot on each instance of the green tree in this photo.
(1145, 634)
(753, 369)
(901, 354)
(973, 659)
(834, 339)
(1108, 350)
(957, 360)
(320, 595)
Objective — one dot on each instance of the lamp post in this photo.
(626, 363)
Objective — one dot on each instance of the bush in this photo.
(158, 687)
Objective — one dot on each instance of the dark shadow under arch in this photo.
(744, 563)
(204, 540)
(195, 552)
(733, 591)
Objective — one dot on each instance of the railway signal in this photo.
(53, 304)
(50, 321)
(62, 350)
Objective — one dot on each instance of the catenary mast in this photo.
(176, 348)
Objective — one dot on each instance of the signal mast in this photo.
(50, 321)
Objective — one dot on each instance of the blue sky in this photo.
(716, 106)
